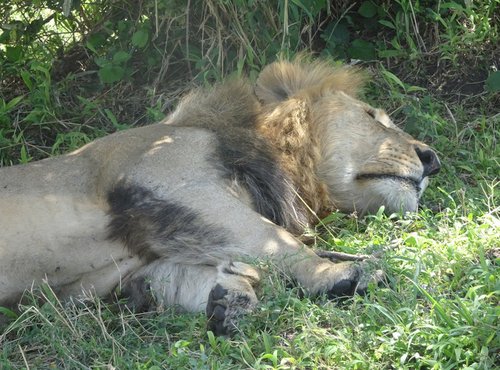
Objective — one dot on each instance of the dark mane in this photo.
(231, 110)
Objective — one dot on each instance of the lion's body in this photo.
(61, 232)
(160, 212)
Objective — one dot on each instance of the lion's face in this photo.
(338, 149)
(367, 161)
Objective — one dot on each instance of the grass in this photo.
(440, 309)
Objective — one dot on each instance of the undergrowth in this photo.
(73, 71)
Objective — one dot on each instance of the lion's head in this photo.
(342, 152)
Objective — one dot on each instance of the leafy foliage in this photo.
(60, 58)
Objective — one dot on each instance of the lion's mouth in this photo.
(415, 183)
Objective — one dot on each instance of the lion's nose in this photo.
(429, 160)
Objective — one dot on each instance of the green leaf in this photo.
(311, 8)
(110, 73)
(123, 26)
(367, 9)
(111, 117)
(140, 38)
(332, 217)
(341, 34)
(211, 339)
(336, 36)
(25, 157)
(493, 82)
(114, 120)
(415, 89)
(361, 49)
(26, 76)
(95, 41)
(393, 78)
(121, 57)
(11, 104)
(452, 5)
(387, 24)
(13, 53)
(5, 37)
(5, 311)
(391, 53)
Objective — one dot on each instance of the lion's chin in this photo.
(395, 195)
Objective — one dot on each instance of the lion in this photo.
(176, 213)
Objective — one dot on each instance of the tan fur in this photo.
(310, 79)
(299, 140)
(295, 95)
(286, 121)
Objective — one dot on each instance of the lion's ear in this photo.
(281, 80)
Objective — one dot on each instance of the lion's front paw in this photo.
(232, 297)
(347, 278)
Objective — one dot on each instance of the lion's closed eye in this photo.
(380, 116)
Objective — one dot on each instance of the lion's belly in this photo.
(59, 240)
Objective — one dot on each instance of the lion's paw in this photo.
(225, 307)
(348, 278)
(232, 297)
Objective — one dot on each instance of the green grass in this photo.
(440, 311)
(440, 308)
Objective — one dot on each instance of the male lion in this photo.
(165, 214)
